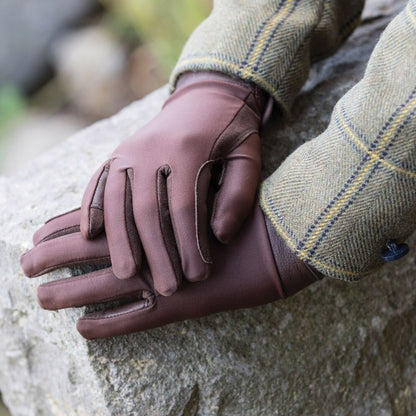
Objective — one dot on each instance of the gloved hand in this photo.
(154, 187)
(256, 268)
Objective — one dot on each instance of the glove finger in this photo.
(123, 240)
(60, 225)
(69, 250)
(96, 287)
(237, 194)
(235, 283)
(118, 321)
(188, 209)
(92, 215)
(142, 315)
(151, 211)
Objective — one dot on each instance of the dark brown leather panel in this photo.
(294, 274)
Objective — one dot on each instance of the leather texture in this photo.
(342, 196)
(294, 274)
(156, 183)
(244, 274)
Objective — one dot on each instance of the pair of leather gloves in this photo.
(173, 219)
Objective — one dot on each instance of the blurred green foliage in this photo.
(164, 24)
(12, 105)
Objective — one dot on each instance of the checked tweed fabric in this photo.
(338, 198)
(269, 42)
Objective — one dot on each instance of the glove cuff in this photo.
(294, 274)
(261, 98)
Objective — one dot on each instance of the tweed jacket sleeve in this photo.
(269, 42)
(339, 198)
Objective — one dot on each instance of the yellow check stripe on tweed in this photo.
(290, 239)
(410, 14)
(374, 158)
(215, 64)
(264, 39)
(364, 147)
(268, 42)
(340, 197)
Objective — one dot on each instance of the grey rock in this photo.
(333, 349)
(27, 28)
(33, 134)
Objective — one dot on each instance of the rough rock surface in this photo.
(32, 135)
(333, 349)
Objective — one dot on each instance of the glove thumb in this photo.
(237, 194)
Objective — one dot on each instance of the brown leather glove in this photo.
(244, 274)
(155, 185)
